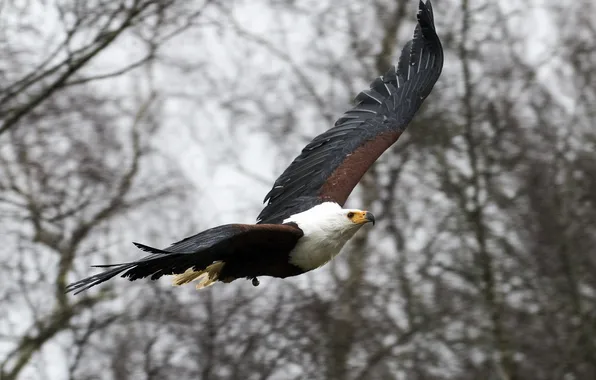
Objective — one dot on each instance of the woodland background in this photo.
(146, 120)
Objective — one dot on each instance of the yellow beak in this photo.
(364, 217)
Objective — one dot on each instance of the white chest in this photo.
(317, 248)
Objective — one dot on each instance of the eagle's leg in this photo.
(255, 281)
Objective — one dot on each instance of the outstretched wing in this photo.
(239, 242)
(330, 166)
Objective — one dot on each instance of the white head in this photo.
(329, 217)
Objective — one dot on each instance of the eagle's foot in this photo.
(255, 281)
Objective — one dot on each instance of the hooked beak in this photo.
(363, 217)
(369, 217)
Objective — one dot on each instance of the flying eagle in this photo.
(303, 225)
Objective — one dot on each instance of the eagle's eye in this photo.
(350, 215)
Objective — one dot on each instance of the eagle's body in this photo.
(303, 225)
(311, 239)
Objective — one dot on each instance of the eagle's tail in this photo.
(157, 264)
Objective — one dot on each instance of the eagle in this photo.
(303, 224)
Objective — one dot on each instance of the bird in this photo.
(303, 224)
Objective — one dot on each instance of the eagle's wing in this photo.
(242, 242)
(330, 166)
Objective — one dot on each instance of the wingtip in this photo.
(425, 14)
(424, 6)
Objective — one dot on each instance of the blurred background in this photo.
(147, 120)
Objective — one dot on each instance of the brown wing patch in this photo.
(342, 181)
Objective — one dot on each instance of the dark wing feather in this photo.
(331, 165)
(230, 241)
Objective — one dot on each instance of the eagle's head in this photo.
(330, 218)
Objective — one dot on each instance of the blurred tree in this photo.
(75, 33)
